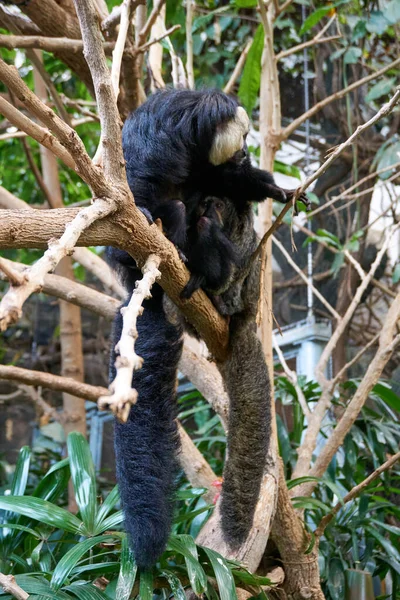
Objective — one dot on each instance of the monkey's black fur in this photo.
(211, 255)
(146, 446)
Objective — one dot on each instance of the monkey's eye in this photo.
(220, 205)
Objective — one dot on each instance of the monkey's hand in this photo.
(302, 198)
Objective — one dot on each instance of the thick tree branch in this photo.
(10, 586)
(49, 44)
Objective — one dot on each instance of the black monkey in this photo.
(180, 142)
(211, 255)
(146, 447)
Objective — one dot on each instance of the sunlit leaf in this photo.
(223, 575)
(251, 77)
(127, 573)
(83, 477)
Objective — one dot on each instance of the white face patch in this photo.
(229, 138)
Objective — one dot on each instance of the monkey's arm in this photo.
(238, 181)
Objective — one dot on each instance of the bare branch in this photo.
(336, 96)
(292, 376)
(238, 68)
(52, 382)
(356, 491)
(38, 133)
(11, 274)
(49, 44)
(153, 41)
(11, 304)
(308, 44)
(150, 21)
(10, 586)
(190, 8)
(122, 394)
(195, 466)
(305, 279)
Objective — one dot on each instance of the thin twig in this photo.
(238, 68)
(190, 7)
(356, 491)
(292, 376)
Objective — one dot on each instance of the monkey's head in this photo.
(210, 213)
(229, 143)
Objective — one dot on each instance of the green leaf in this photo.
(352, 55)
(387, 395)
(127, 573)
(314, 18)
(41, 510)
(110, 522)
(83, 477)
(223, 575)
(291, 170)
(307, 502)
(20, 528)
(385, 543)
(246, 3)
(107, 506)
(175, 585)
(86, 591)
(21, 472)
(71, 558)
(146, 585)
(396, 273)
(377, 23)
(392, 12)
(390, 156)
(251, 77)
(382, 88)
(39, 586)
(54, 482)
(184, 544)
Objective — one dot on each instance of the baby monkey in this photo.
(212, 257)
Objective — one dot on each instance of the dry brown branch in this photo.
(18, 134)
(190, 8)
(10, 586)
(308, 44)
(388, 340)
(382, 112)
(38, 133)
(8, 200)
(71, 291)
(13, 276)
(292, 376)
(307, 448)
(157, 39)
(305, 279)
(144, 32)
(336, 96)
(122, 394)
(52, 382)
(131, 232)
(228, 89)
(356, 491)
(195, 466)
(49, 44)
(11, 304)
(114, 164)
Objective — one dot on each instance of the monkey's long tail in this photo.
(146, 446)
(248, 386)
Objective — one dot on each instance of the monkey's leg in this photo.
(173, 216)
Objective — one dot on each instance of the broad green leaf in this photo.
(245, 576)
(35, 585)
(204, 20)
(251, 77)
(127, 573)
(20, 528)
(86, 591)
(192, 514)
(71, 558)
(110, 522)
(387, 395)
(306, 502)
(54, 482)
(392, 12)
(377, 23)
(291, 170)
(146, 585)
(246, 3)
(102, 567)
(352, 55)
(383, 87)
(21, 472)
(223, 575)
(175, 585)
(314, 18)
(390, 156)
(83, 477)
(385, 543)
(107, 506)
(184, 544)
(41, 510)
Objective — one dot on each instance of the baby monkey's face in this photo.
(211, 212)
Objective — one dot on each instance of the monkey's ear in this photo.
(229, 138)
